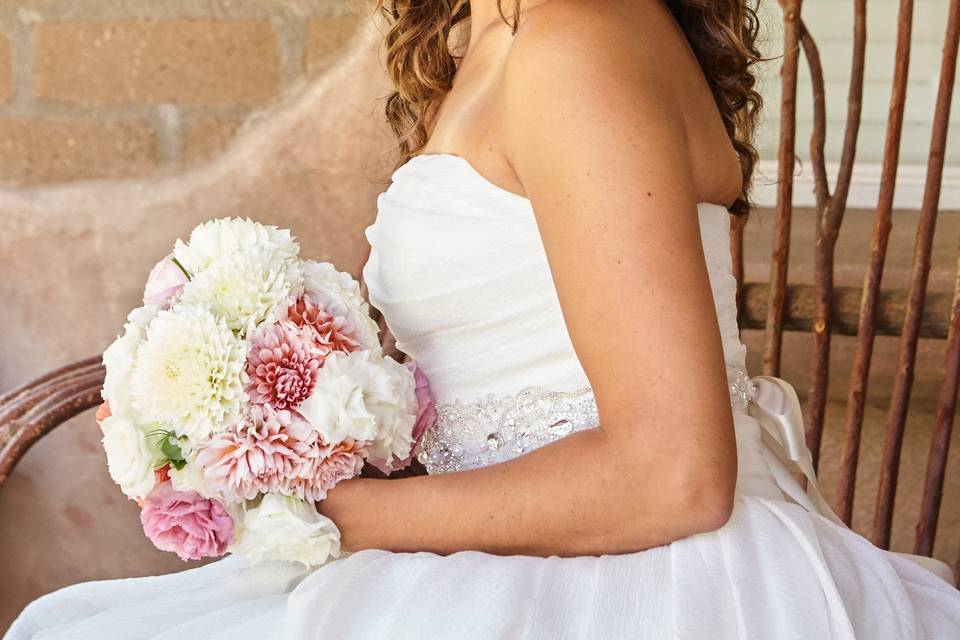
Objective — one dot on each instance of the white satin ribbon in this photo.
(776, 408)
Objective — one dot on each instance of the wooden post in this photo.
(897, 416)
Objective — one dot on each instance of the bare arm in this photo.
(602, 155)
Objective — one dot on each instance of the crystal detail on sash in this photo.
(494, 429)
(742, 389)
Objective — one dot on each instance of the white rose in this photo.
(285, 528)
(323, 276)
(191, 478)
(119, 358)
(395, 415)
(339, 294)
(130, 457)
(356, 395)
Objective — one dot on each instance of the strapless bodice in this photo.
(458, 268)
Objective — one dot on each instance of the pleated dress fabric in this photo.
(459, 270)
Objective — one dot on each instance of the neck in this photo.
(485, 14)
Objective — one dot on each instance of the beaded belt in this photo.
(494, 429)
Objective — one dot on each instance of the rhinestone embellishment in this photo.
(742, 389)
(492, 429)
(497, 428)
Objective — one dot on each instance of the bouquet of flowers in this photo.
(247, 386)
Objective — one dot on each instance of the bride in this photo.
(556, 243)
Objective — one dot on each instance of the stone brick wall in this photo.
(123, 88)
(74, 257)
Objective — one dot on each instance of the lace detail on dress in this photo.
(493, 429)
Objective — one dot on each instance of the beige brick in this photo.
(6, 70)
(189, 62)
(207, 137)
(43, 151)
(325, 41)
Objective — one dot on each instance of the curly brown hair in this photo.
(722, 34)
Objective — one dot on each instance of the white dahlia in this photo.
(338, 294)
(189, 373)
(366, 397)
(119, 358)
(131, 457)
(216, 238)
(244, 287)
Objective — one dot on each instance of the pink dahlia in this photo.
(282, 365)
(331, 331)
(337, 462)
(186, 523)
(262, 454)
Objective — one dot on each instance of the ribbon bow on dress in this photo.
(775, 406)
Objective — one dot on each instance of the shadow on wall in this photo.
(74, 259)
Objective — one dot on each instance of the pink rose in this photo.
(164, 283)
(426, 415)
(186, 523)
(426, 408)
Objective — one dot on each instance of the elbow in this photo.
(683, 496)
(678, 511)
(707, 508)
(703, 501)
(679, 508)
(706, 491)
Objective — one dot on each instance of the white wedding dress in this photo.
(458, 269)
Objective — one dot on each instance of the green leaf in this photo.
(170, 447)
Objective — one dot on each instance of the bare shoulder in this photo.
(597, 38)
(583, 77)
(608, 72)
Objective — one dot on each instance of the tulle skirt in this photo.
(775, 570)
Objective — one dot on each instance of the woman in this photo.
(555, 246)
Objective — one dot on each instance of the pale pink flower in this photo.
(426, 407)
(164, 283)
(426, 415)
(186, 523)
(261, 454)
(282, 365)
(341, 461)
(330, 330)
